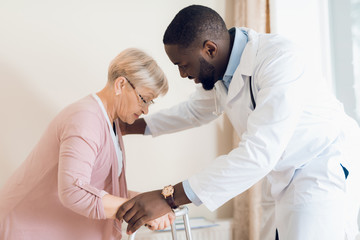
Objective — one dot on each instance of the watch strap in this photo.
(170, 200)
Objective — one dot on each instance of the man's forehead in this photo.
(178, 53)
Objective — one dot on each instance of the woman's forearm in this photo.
(132, 194)
(111, 204)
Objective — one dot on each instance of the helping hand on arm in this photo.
(138, 127)
(148, 206)
(111, 204)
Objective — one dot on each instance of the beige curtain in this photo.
(252, 14)
(247, 206)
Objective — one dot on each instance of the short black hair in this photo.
(193, 22)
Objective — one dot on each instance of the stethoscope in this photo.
(251, 94)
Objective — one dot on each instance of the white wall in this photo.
(344, 62)
(306, 23)
(55, 52)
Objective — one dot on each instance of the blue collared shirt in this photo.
(240, 41)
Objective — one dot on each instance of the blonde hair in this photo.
(140, 69)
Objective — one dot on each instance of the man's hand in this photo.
(142, 209)
(123, 127)
(138, 127)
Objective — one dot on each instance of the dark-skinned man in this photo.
(294, 133)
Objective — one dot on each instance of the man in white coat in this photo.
(293, 131)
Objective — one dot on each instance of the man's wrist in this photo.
(180, 197)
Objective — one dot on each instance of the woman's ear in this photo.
(210, 49)
(119, 84)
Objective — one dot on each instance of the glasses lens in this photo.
(147, 104)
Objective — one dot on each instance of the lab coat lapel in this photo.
(247, 61)
(235, 87)
(246, 66)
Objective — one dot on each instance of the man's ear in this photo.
(119, 85)
(210, 49)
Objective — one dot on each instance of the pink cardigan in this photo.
(57, 191)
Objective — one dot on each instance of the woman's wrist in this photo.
(132, 194)
(111, 205)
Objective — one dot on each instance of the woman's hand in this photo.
(161, 222)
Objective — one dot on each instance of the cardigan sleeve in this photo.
(80, 142)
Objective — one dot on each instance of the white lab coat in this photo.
(295, 137)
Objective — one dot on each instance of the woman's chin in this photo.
(130, 121)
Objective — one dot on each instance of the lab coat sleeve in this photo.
(79, 146)
(196, 111)
(279, 101)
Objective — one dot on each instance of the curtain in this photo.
(253, 14)
(247, 206)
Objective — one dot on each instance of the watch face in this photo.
(168, 191)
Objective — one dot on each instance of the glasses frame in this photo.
(144, 103)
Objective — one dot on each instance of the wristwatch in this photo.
(168, 193)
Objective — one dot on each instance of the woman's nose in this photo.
(145, 109)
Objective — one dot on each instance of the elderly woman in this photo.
(73, 182)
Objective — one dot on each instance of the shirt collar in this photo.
(239, 44)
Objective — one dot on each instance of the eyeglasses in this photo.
(144, 103)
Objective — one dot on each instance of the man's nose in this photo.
(183, 74)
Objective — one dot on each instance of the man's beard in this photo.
(206, 74)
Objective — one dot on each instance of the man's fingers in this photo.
(124, 208)
(129, 215)
(135, 223)
(143, 208)
(132, 221)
